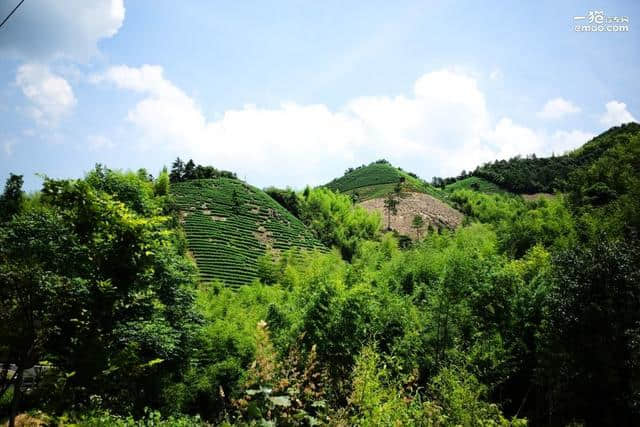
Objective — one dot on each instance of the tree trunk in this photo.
(15, 401)
(389, 219)
(5, 381)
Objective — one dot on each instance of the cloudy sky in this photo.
(294, 92)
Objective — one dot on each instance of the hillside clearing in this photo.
(433, 211)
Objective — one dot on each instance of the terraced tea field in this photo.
(379, 179)
(230, 224)
(373, 174)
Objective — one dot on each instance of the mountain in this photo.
(378, 179)
(476, 184)
(369, 185)
(229, 225)
(549, 174)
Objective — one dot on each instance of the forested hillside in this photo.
(532, 174)
(527, 313)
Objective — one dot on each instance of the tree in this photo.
(391, 206)
(592, 335)
(177, 170)
(236, 203)
(34, 303)
(12, 198)
(97, 289)
(336, 221)
(161, 186)
(35, 300)
(417, 224)
(287, 198)
(189, 170)
(397, 189)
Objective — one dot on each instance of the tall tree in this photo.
(97, 289)
(391, 206)
(189, 170)
(177, 170)
(417, 224)
(593, 334)
(11, 199)
(161, 186)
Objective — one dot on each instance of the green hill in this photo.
(230, 224)
(533, 174)
(377, 180)
(475, 183)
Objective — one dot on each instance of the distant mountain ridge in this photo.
(533, 174)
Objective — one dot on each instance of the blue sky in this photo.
(293, 93)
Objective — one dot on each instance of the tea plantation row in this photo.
(230, 224)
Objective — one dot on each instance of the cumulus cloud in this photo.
(51, 97)
(8, 147)
(557, 108)
(563, 141)
(98, 142)
(616, 114)
(68, 29)
(441, 128)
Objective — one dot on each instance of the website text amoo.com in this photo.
(596, 21)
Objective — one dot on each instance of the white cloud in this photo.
(510, 139)
(8, 147)
(563, 141)
(50, 95)
(69, 29)
(557, 108)
(441, 128)
(496, 74)
(616, 114)
(98, 142)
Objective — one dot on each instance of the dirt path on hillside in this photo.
(432, 210)
(536, 196)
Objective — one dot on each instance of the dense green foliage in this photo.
(336, 221)
(95, 286)
(532, 174)
(12, 197)
(229, 225)
(593, 333)
(520, 224)
(476, 184)
(607, 191)
(527, 314)
(181, 171)
(287, 198)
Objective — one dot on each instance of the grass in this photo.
(229, 225)
(476, 184)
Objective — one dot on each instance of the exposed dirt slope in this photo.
(537, 196)
(432, 210)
